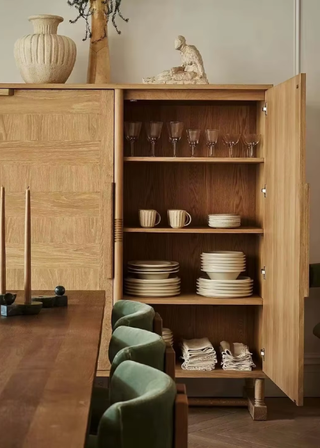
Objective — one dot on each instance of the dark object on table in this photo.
(55, 301)
(21, 309)
(7, 298)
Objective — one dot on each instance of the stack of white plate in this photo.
(167, 336)
(166, 287)
(224, 221)
(153, 269)
(242, 287)
(223, 265)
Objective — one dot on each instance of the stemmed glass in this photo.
(132, 130)
(212, 139)
(251, 141)
(153, 129)
(175, 129)
(193, 136)
(231, 140)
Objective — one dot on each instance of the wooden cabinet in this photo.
(67, 143)
(270, 194)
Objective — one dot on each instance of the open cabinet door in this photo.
(286, 237)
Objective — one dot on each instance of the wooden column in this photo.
(27, 250)
(118, 176)
(256, 404)
(3, 286)
(99, 58)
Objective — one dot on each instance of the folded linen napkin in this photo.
(198, 354)
(236, 356)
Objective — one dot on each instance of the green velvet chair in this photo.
(143, 411)
(132, 314)
(128, 343)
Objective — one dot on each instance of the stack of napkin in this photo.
(236, 356)
(198, 354)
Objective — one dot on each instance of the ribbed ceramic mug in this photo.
(149, 218)
(178, 218)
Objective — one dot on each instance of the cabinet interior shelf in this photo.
(195, 299)
(219, 373)
(254, 160)
(196, 230)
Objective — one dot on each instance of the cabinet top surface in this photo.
(137, 86)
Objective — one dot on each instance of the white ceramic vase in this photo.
(45, 57)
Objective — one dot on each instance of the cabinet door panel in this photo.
(286, 237)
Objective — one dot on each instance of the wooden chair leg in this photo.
(256, 404)
(181, 421)
(170, 362)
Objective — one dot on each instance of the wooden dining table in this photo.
(47, 370)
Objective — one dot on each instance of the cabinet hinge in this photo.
(264, 191)
(262, 353)
(265, 109)
(263, 272)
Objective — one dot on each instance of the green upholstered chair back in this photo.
(141, 414)
(136, 345)
(132, 314)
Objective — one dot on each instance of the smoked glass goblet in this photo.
(175, 129)
(231, 140)
(153, 129)
(212, 139)
(193, 136)
(251, 141)
(132, 131)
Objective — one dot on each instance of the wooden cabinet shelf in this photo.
(219, 373)
(195, 299)
(254, 160)
(196, 230)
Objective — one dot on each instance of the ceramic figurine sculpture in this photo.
(45, 56)
(191, 70)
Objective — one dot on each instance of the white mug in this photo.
(149, 218)
(178, 218)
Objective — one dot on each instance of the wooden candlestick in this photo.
(3, 286)
(27, 250)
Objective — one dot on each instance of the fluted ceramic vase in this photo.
(45, 57)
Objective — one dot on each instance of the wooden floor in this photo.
(287, 426)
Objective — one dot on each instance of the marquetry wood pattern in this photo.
(285, 221)
(60, 143)
(287, 426)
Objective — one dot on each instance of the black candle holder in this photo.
(58, 300)
(9, 308)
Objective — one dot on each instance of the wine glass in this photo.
(212, 139)
(193, 136)
(231, 140)
(175, 129)
(251, 141)
(132, 130)
(153, 129)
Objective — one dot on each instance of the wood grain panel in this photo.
(283, 320)
(58, 178)
(224, 116)
(50, 203)
(50, 127)
(48, 255)
(50, 153)
(68, 276)
(224, 95)
(6, 92)
(48, 102)
(37, 388)
(67, 230)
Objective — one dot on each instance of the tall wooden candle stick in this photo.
(3, 286)
(27, 250)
